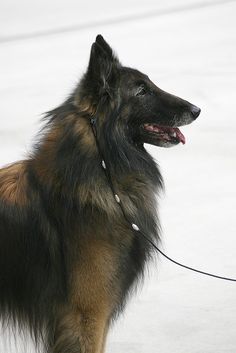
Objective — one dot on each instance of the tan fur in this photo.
(83, 330)
(94, 269)
(48, 154)
(92, 298)
(85, 105)
(98, 195)
(13, 183)
(82, 128)
(133, 190)
(129, 190)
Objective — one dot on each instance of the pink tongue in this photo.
(180, 136)
(168, 131)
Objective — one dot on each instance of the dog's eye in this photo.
(141, 91)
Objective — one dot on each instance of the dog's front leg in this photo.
(80, 332)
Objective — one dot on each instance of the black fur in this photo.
(58, 201)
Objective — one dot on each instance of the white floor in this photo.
(187, 48)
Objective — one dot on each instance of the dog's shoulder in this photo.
(13, 183)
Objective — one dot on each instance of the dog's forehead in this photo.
(133, 75)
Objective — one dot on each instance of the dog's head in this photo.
(145, 112)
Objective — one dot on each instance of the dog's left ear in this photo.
(102, 68)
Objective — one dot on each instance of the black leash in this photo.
(134, 226)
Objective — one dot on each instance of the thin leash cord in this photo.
(134, 226)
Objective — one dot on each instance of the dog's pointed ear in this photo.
(103, 66)
(106, 47)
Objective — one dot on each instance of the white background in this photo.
(187, 48)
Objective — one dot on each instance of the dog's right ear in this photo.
(102, 68)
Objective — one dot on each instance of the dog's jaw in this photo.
(161, 136)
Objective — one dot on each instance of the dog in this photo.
(68, 257)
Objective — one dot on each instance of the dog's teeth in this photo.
(173, 134)
(149, 127)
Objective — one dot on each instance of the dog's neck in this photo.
(67, 161)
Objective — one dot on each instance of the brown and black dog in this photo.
(68, 258)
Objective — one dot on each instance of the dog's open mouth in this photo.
(162, 135)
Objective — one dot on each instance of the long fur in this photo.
(68, 259)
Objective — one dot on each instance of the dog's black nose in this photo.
(195, 111)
